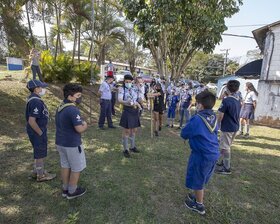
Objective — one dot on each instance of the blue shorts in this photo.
(199, 172)
(39, 144)
(171, 112)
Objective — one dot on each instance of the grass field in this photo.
(148, 188)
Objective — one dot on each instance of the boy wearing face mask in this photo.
(130, 120)
(69, 126)
(37, 117)
(172, 103)
(202, 133)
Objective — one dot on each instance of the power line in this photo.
(235, 35)
(248, 25)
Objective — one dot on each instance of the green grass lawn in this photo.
(148, 188)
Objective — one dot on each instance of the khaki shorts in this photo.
(72, 158)
(226, 139)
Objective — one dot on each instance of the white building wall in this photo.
(268, 106)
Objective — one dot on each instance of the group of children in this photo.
(69, 126)
(208, 154)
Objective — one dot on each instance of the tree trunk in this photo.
(44, 23)
(57, 36)
(29, 24)
(79, 43)
(75, 43)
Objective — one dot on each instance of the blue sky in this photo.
(252, 12)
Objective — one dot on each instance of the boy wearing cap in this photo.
(105, 103)
(69, 126)
(37, 116)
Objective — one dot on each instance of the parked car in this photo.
(120, 75)
(211, 86)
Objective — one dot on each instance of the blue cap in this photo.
(32, 84)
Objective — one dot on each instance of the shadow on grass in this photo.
(12, 112)
(263, 146)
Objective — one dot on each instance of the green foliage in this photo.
(60, 70)
(83, 73)
(46, 66)
(175, 30)
(73, 218)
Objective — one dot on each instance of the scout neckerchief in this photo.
(64, 105)
(209, 120)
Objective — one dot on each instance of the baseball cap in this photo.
(128, 77)
(35, 83)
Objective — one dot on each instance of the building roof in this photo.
(260, 34)
(250, 70)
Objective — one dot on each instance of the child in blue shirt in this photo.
(173, 101)
(37, 117)
(228, 119)
(202, 132)
(185, 103)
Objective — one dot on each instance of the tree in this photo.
(10, 17)
(174, 30)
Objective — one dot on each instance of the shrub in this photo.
(46, 65)
(83, 72)
(63, 68)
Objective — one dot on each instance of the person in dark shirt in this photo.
(158, 108)
(37, 116)
(228, 119)
(202, 132)
(69, 126)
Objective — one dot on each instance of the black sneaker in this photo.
(172, 126)
(64, 193)
(246, 135)
(223, 170)
(135, 150)
(112, 127)
(156, 133)
(220, 163)
(102, 128)
(78, 193)
(159, 128)
(167, 126)
(191, 197)
(194, 206)
(126, 154)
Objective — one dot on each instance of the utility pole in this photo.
(225, 60)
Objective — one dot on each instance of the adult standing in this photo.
(34, 57)
(130, 120)
(69, 126)
(106, 103)
(248, 108)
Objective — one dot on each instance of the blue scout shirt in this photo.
(66, 119)
(35, 107)
(230, 106)
(186, 99)
(202, 131)
(173, 100)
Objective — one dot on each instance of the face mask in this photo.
(43, 92)
(78, 100)
(158, 90)
(198, 107)
(128, 85)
